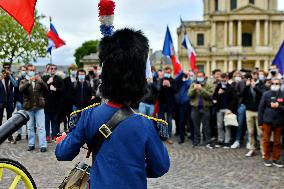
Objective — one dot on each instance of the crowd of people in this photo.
(49, 98)
(198, 104)
(204, 107)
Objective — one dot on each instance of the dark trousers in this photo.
(201, 116)
(9, 110)
(185, 119)
(51, 119)
(164, 109)
(213, 121)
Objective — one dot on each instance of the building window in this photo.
(247, 39)
(216, 5)
(200, 39)
(233, 4)
(251, 1)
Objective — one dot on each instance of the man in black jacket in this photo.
(7, 85)
(251, 99)
(53, 100)
(67, 101)
(225, 101)
(166, 100)
(82, 92)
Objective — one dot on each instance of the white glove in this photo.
(50, 80)
(52, 88)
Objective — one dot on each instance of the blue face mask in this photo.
(261, 78)
(31, 73)
(199, 79)
(23, 73)
(81, 77)
(167, 75)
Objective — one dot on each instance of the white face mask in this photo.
(73, 73)
(275, 88)
(238, 79)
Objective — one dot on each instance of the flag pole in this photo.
(50, 20)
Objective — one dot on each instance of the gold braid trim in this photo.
(88, 107)
(154, 119)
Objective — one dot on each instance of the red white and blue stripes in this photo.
(169, 50)
(106, 16)
(53, 39)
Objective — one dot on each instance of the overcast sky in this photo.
(77, 20)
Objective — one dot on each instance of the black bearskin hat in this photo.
(123, 57)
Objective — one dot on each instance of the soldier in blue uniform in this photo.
(134, 150)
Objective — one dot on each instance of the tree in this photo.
(87, 48)
(16, 45)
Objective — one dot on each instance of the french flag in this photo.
(53, 39)
(190, 50)
(169, 50)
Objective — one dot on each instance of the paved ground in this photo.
(190, 168)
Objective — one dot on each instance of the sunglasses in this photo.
(275, 83)
(53, 68)
(6, 67)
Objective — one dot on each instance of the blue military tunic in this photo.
(132, 153)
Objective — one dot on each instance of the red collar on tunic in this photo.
(114, 105)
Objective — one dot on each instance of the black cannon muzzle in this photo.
(19, 119)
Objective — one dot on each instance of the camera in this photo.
(273, 72)
(273, 99)
(185, 76)
(199, 82)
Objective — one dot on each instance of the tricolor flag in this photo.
(169, 50)
(190, 50)
(22, 11)
(53, 39)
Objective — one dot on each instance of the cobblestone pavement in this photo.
(190, 168)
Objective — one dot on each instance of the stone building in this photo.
(90, 60)
(235, 34)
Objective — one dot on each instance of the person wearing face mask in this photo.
(54, 100)
(216, 78)
(182, 83)
(33, 89)
(67, 98)
(18, 97)
(166, 99)
(270, 119)
(262, 79)
(225, 100)
(200, 93)
(82, 91)
(7, 86)
(239, 85)
(94, 78)
(251, 99)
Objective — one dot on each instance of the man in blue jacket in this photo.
(134, 150)
(182, 84)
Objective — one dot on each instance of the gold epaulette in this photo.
(153, 118)
(88, 107)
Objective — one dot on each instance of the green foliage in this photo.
(15, 44)
(87, 48)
